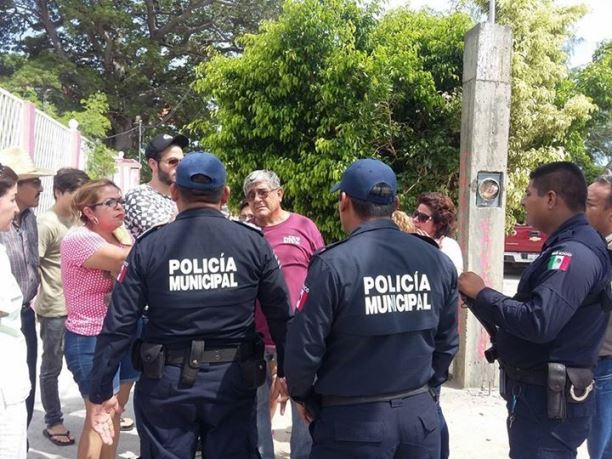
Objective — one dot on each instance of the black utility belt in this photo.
(224, 355)
(563, 384)
(337, 400)
(151, 358)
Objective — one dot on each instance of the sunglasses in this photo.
(111, 203)
(263, 194)
(420, 216)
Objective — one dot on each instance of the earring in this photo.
(95, 220)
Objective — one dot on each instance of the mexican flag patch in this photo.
(560, 261)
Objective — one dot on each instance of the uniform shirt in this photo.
(21, 242)
(293, 241)
(379, 316)
(606, 348)
(14, 377)
(146, 208)
(200, 276)
(546, 321)
(86, 290)
(51, 231)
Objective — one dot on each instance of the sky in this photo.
(592, 29)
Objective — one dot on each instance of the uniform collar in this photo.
(566, 229)
(373, 225)
(196, 212)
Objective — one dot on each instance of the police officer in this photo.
(377, 329)
(549, 334)
(201, 360)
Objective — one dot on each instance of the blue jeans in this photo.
(300, 442)
(79, 351)
(599, 442)
(52, 337)
(265, 443)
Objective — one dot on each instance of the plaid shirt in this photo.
(21, 243)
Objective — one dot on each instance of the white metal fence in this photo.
(51, 144)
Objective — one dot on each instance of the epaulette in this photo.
(150, 230)
(250, 226)
(329, 247)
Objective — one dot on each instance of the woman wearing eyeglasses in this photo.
(91, 256)
(436, 216)
(14, 375)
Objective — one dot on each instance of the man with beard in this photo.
(150, 204)
(21, 242)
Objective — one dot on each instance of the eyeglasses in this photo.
(173, 162)
(111, 203)
(421, 217)
(263, 194)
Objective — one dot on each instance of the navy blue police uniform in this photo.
(547, 341)
(202, 361)
(377, 329)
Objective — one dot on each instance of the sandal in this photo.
(126, 424)
(53, 438)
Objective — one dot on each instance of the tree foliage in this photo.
(139, 53)
(329, 82)
(595, 80)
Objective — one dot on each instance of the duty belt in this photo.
(537, 377)
(229, 354)
(336, 400)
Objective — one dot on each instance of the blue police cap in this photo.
(200, 164)
(362, 176)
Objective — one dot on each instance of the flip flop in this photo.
(126, 424)
(53, 438)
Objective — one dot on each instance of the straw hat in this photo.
(20, 161)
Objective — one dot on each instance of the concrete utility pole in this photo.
(485, 120)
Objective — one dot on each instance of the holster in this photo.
(253, 364)
(191, 364)
(555, 391)
(153, 359)
(135, 355)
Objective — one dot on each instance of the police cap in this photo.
(197, 166)
(359, 179)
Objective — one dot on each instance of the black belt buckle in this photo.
(191, 365)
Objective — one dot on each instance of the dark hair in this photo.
(88, 195)
(606, 179)
(564, 178)
(367, 209)
(244, 203)
(443, 212)
(69, 180)
(8, 179)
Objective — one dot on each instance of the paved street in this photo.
(476, 421)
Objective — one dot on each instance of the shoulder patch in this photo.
(250, 226)
(150, 230)
(559, 260)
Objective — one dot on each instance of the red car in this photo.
(523, 245)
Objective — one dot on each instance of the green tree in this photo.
(139, 53)
(330, 82)
(595, 80)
